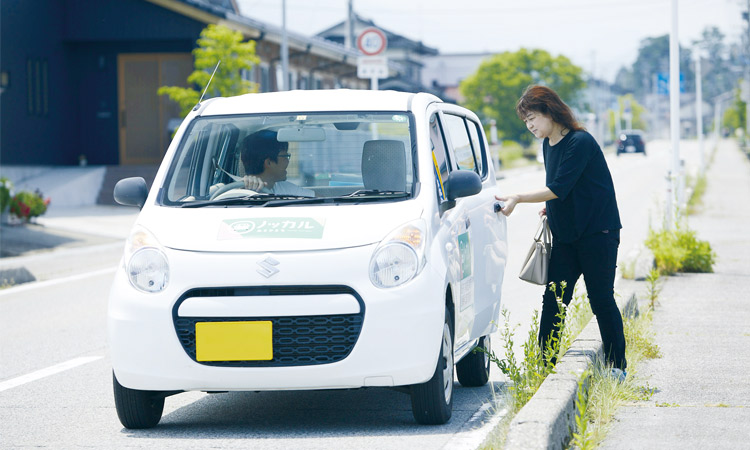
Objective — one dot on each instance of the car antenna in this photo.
(206, 89)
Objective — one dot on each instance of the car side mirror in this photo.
(131, 192)
(462, 183)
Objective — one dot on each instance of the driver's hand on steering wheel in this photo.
(253, 183)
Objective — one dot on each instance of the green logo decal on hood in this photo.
(272, 227)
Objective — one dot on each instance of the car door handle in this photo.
(498, 207)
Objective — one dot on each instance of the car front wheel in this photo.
(137, 409)
(474, 369)
(432, 401)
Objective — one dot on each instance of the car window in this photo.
(478, 145)
(313, 155)
(440, 159)
(460, 142)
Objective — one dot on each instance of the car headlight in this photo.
(145, 262)
(400, 256)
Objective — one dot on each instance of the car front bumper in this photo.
(397, 344)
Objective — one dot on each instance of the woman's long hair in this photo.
(541, 99)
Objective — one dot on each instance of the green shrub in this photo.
(5, 189)
(26, 205)
(680, 251)
(699, 257)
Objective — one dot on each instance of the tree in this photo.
(216, 43)
(734, 116)
(636, 109)
(716, 67)
(653, 58)
(495, 87)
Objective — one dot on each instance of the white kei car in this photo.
(377, 262)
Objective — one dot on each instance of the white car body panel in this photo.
(402, 326)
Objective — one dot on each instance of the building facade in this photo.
(79, 78)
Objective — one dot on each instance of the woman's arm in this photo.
(511, 200)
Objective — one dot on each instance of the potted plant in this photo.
(27, 205)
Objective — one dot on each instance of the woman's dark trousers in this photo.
(594, 256)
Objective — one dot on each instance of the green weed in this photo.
(679, 250)
(653, 287)
(597, 405)
(699, 188)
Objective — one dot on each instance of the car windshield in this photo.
(282, 159)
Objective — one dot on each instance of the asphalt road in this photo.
(55, 376)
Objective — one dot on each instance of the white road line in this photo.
(39, 374)
(46, 283)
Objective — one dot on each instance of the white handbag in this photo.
(536, 264)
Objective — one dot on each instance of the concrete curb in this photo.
(546, 421)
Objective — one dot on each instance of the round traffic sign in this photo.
(371, 41)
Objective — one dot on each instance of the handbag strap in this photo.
(543, 232)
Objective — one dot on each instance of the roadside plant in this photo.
(653, 287)
(527, 375)
(6, 188)
(600, 395)
(26, 205)
(699, 188)
(679, 250)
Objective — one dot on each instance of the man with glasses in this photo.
(266, 160)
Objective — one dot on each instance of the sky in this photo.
(601, 36)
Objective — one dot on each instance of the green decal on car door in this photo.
(464, 249)
(467, 279)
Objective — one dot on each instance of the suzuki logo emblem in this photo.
(267, 267)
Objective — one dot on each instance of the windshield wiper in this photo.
(272, 200)
(244, 200)
(374, 193)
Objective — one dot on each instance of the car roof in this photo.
(317, 100)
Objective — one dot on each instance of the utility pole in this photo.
(284, 85)
(699, 109)
(673, 175)
(746, 84)
(349, 26)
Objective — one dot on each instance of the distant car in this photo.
(386, 270)
(631, 141)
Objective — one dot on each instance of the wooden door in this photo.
(144, 116)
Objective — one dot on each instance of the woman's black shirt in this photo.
(578, 174)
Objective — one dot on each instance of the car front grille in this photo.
(297, 340)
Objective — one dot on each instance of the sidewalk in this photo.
(702, 326)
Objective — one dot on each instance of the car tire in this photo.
(137, 409)
(474, 369)
(432, 401)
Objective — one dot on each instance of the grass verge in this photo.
(526, 376)
(600, 395)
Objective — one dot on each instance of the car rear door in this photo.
(469, 151)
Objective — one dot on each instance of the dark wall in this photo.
(30, 34)
(79, 40)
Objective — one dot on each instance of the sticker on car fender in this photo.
(272, 227)
(467, 279)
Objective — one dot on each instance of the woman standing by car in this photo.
(582, 213)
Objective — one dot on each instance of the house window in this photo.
(37, 87)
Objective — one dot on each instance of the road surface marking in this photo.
(52, 282)
(39, 374)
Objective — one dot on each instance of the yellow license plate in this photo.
(233, 341)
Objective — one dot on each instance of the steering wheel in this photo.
(237, 186)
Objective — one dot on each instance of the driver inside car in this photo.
(265, 160)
